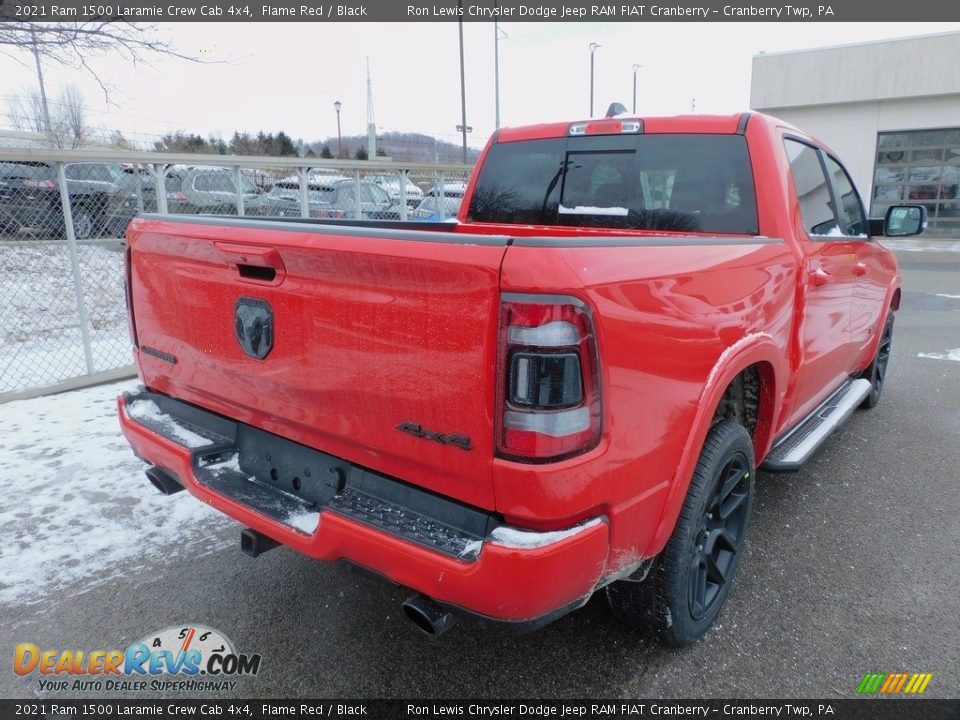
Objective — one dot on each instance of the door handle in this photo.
(819, 277)
(860, 269)
(253, 262)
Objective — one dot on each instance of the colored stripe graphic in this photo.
(894, 683)
(871, 683)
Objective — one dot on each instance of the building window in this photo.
(920, 167)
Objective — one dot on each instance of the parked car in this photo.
(391, 184)
(454, 189)
(568, 392)
(436, 209)
(329, 197)
(102, 199)
(210, 191)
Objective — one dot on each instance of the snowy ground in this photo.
(40, 337)
(77, 510)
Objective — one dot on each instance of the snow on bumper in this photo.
(510, 575)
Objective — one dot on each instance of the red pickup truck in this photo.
(569, 389)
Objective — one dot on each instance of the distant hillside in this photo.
(403, 147)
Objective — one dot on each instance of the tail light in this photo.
(178, 195)
(39, 184)
(128, 295)
(548, 383)
(605, 127)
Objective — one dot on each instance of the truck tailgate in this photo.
(371, 344)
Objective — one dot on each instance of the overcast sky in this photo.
(286, 76)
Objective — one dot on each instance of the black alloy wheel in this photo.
(689, 581)
(719, 538)
(877, 372)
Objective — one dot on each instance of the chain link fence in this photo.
(63, 215)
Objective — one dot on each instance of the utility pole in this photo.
(593, 49)
(371, 124)
(47, 127)
(635, 68)
(498, 35)
(496, 73)
(336, 106)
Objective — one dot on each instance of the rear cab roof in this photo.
(708, 124)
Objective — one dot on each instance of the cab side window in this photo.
(850, 205)
(813, 190)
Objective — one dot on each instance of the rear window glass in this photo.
(213, 182)
(26, 170)
(679, 183)
(222, 182)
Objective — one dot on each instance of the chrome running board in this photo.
(791, 452)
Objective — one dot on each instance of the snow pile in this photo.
(525, 539)
(590, 210)
(149, 410)
(953, 354)
(77, 510)
(471, 549)
(304, 521)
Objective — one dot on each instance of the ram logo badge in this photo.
(253, 323)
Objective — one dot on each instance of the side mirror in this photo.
(905, 220)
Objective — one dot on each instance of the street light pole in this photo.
(635, 68)
(336, 106)
(593, 49)
(496, 73)
(463, 90)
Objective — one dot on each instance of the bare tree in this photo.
(73, 115)
(26, 112)
(74, 44)
(64, 124)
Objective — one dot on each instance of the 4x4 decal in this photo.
(460, 441)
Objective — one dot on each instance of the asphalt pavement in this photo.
(853, 566)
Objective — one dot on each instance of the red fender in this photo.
(756, 348)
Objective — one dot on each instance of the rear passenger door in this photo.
(872, 266)
(827, 277)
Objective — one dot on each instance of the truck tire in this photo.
(877, 372)
(689, 581)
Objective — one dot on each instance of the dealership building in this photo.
(890, 110)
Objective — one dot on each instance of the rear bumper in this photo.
(467, 561)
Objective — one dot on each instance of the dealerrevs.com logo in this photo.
(181, 658)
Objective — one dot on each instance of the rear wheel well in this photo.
(748, 400)
(895, 300)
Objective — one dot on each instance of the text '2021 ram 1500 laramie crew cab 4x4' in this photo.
(569, 389)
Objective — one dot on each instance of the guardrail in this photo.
(63, 214)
